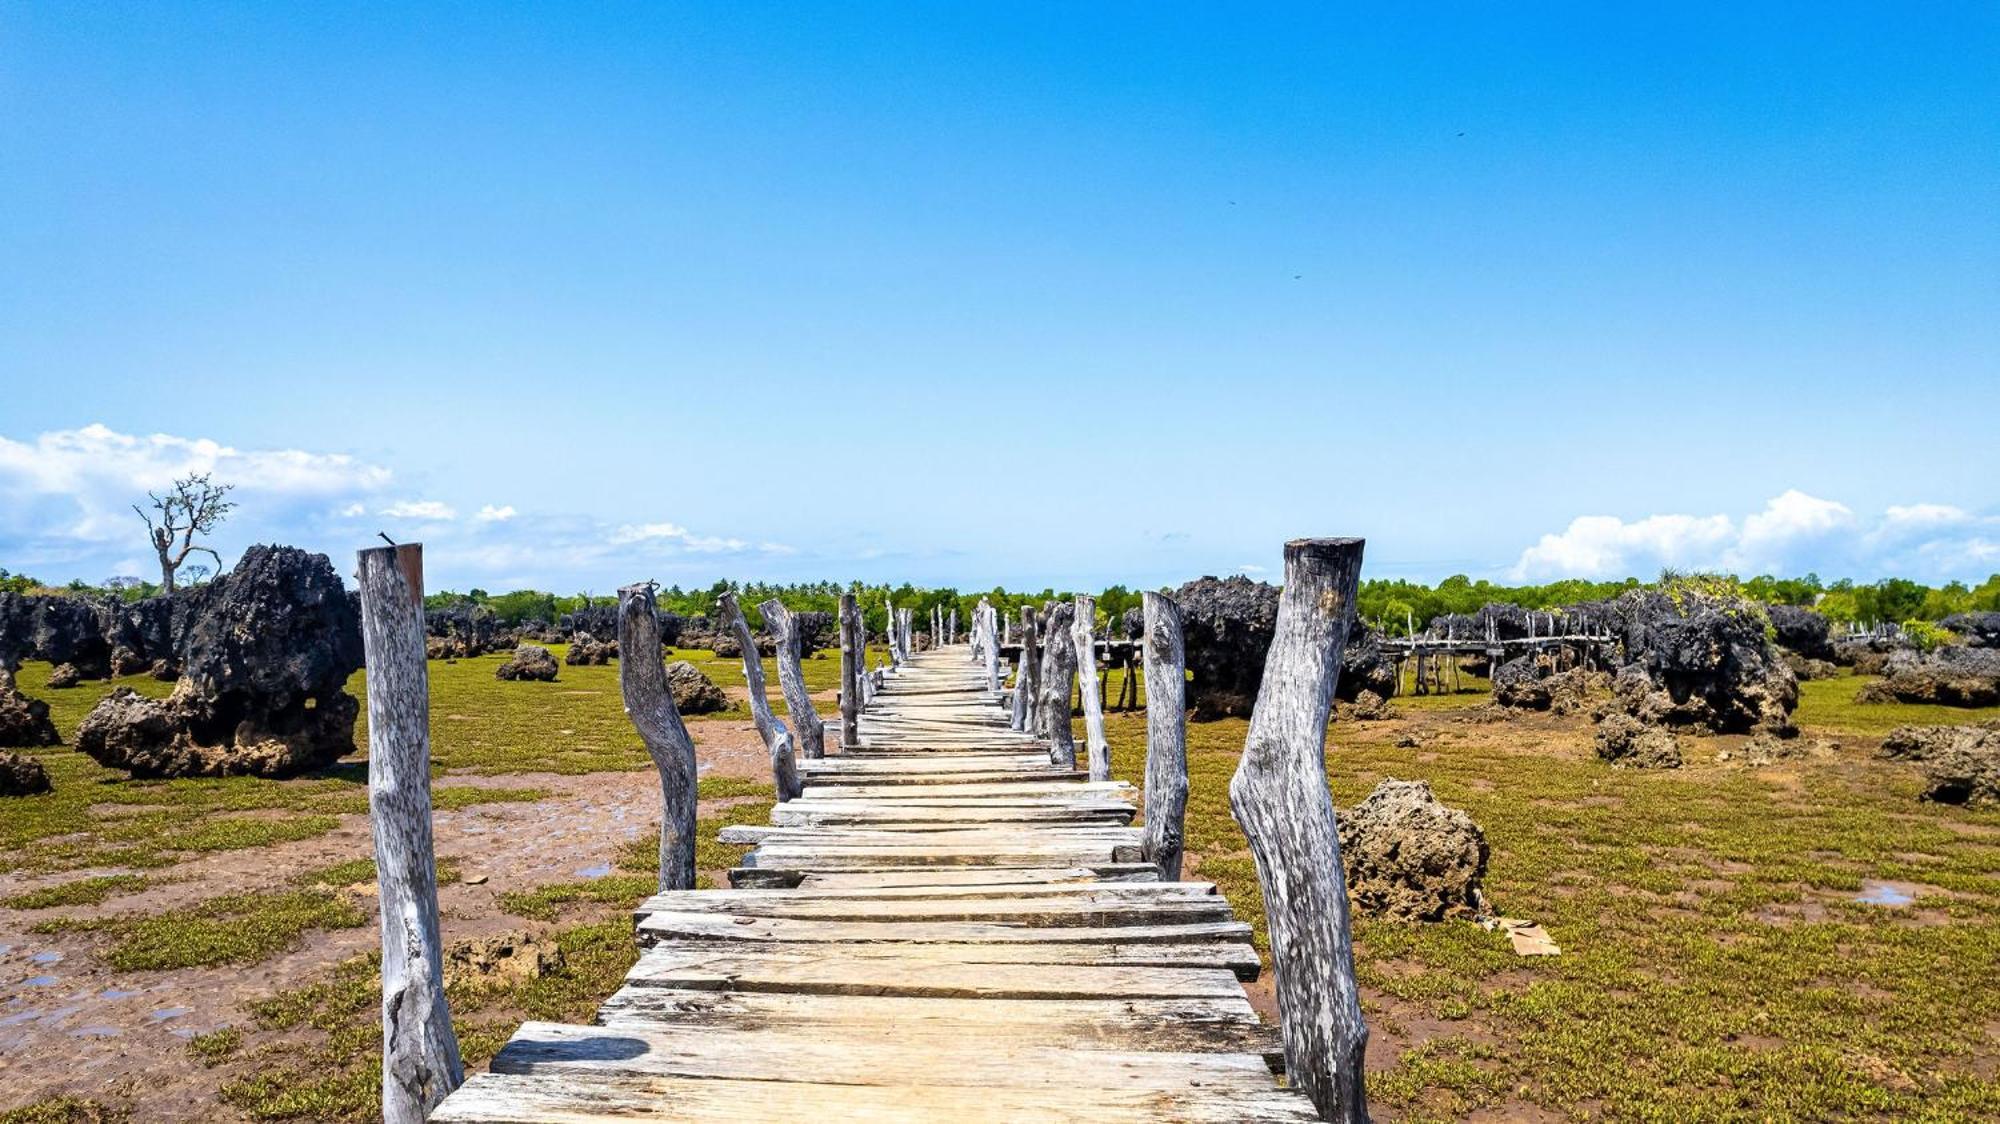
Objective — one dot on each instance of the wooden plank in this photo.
(932, 977)
(966, 876)
(676, 925)
(904, 1056)
(1236, 957)
(500, 1098)
(1050, 910)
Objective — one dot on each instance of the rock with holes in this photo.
(530, 662)
(1954, 675)
(507, 958)
(1961, 764)
(1800, 630)
(586, 650)
(694, 693)
(1626, 742)
(24, 721)
(1409, 857)
(64, 676)
(262, 689)
(1697, 654)
(21, 775)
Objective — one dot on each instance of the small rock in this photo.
(21, 775)
(694, 693)
(474, 880)
(64, 676)
(530, 662)
(507, 958)
(1626, 742)
(24, 721)
(1409, 857)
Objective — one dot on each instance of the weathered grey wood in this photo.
(951, 627)
(792, 679)
(649, 703)
(1083, 640)
(851, 671)
(420, 1063)
(1026, 674)
(1236, 957)
(777, 739)
(892, 632)
(1058, 681)
(1280, 797)
(1166, 734)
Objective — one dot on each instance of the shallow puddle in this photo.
(1886, 893)
(599, 871)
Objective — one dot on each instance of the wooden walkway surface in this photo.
(943, 927)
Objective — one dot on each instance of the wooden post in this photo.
(1166, 736)
(889, 630)
(792, 679)
(777, 739)
(1027, 675)
(1280, 798)
(420, 1062)
(649, 702)
(1083, 638)
(1058, 679)
(851, 656)
(951, 627)
(992, 654)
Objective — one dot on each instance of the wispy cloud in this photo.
(430, 510)
(1794, 532)
(491, 514)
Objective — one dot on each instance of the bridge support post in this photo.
(1083, 638)
(649, 702)
(1027, 674)
(777, 739)
(792, 679)
(420, 1062)
(1058, 679)
(1166, 735)
(851, 671)
(1279, 796)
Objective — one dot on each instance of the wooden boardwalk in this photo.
(943, 927)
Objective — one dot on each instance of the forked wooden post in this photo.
(1083, 637)
(792, 679)
(420, 1062)
(649, 702)
(851, 654)
(777, 739)
(1058, 679)
(1166, 736)
(1280, 798)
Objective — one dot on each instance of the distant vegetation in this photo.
(1392, 604)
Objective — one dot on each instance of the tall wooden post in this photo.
(1280, 798)
(992, 653)
(851, 670)
(792, 679)
(649, 702)
(951, 627)
(420, 1062)
(1083, 637)
(889, 630)
(1166, 735)
(1058, 680)
(1027, 675)
(777, 739)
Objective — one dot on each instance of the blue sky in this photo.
(1023, 294)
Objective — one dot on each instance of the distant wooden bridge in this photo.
(945, 926)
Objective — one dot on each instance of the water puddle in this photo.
(40, 981)
(1886, 893)
(20, 1017)
(598, 871)
(47, 957)
(165, 1013)
(96, 1032)
(116, 993)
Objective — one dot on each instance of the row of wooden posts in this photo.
(1279, 792)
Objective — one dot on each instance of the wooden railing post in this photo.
(1280, 798)
(1083, 637)
(1166, 735)
(1026, 674)
(890, 628)
(777, 739)
(852, 651)
(992, 652)
(1058, 680)
(951, 627)
(792, 679)
(420, 1062)
(649, 702)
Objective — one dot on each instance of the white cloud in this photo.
(353, 511)
(418, 509)
(1249, 568)
(1794, 533)
(491, 514)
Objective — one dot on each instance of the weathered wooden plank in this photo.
(1235, 957)
(940, 978)
(1052, 911)
(672, 925)
(963, 876)
(498, 1098)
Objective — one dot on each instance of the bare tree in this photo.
(195, 506)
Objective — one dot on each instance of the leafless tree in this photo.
(194, 507)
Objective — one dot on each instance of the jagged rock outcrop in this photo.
(1228, 626)
(1954, 675)
(265, 664)
(1409, 857)
(1801, 630)
(460, 631)
(64, 676)
(1977, 630)
(1626, 742)
(694, 693)
(1364, 667)
(586, 650)
(1961, 764)
(21, 775)
(530, 662)
(1868, 653)
(1529, 683)
(24, 721)
(1698, 656)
